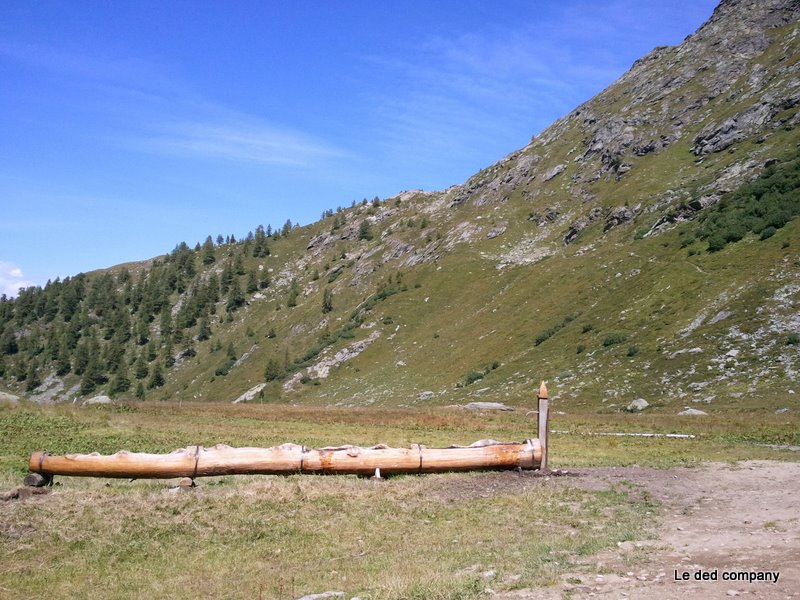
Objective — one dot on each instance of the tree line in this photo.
(122, 331)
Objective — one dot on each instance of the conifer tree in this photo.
(364, 231)
(226, 279)
(151, 351)
(92, 375)
(273, 370)
(252, 282)
(291, 300)
(169, 357)
(140, 368)
(166, 322)
(32, 379)
(208, 251)
(119, 381)
(8, 341)
(238, 265)
(115, 354)
(139, 391)
(204, 331)
(142, 331)
(80, 358)
(62, 363)
(235, 296)
(157, 378)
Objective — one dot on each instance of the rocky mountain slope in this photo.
(644, 245)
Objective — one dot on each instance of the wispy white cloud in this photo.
(252, 142)
(143, 108)
(471, 90)
(12, 279)
(502, 84)
(127, 72)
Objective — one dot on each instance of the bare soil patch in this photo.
(715, 519)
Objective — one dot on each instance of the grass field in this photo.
(437, 536)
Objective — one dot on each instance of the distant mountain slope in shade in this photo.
(644, 245)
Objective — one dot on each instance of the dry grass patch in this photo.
(410, 537)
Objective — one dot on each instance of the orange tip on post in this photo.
(542, 391)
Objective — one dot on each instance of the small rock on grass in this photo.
(691, 412)
(485, 406)
(36, 480)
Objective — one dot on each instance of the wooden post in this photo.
(543, 424)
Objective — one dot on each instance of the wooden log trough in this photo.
(286, 459)
(197, 461)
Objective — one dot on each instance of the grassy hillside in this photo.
(633, 249)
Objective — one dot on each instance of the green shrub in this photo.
(761, 207)
(613, 339)
(633, 350)
(225, 369)
(548, 333)
(474, 376)
(793, 339)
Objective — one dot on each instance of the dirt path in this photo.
(717, 520)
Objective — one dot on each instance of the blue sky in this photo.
(127, 127)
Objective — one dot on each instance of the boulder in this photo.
(692, 412)
(618, 216)
(97, 400)
(582, 223)
(496, 231)
(637, 405)
(6, 397)
(557, 170)
(706, 400)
